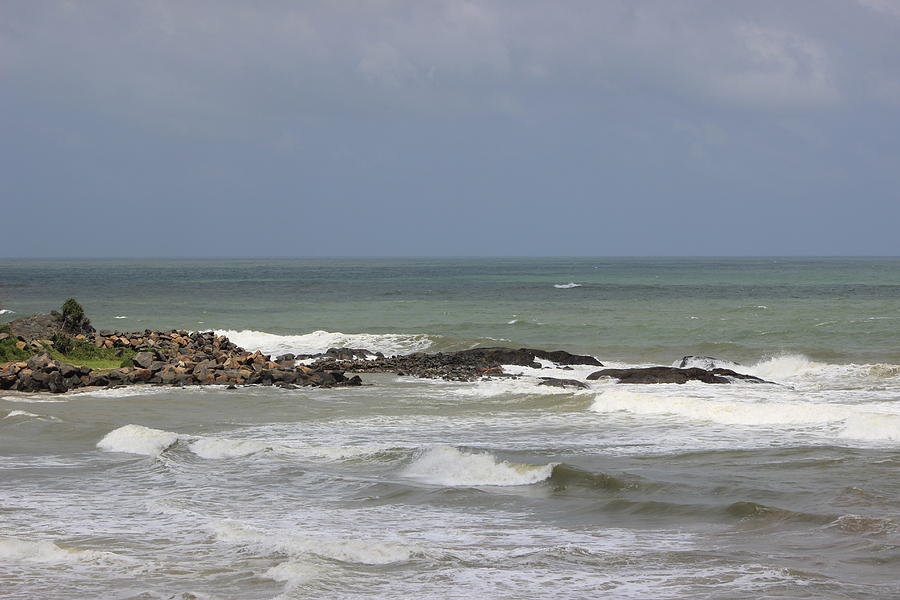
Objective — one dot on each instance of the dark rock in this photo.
(35, 327)
(285, 357)
(143, 359)
(554, 382)
(231, 386)
(354, 381)
(673, 375)
(705, 362)
(39, 361)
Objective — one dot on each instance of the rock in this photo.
(143, 359)
(555, 382)
(285, 357)
(673, 375)
(35, 327)
(705, 362)
(39, 361)
(4, 336)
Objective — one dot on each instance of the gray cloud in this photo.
(488, 106)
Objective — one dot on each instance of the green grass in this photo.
(77, 352)
(8, 350)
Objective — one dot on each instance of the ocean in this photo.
(409, 488)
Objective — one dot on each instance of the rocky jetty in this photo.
(175, 357)
(465, 365)
(674, 375)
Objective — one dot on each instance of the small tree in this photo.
(73, 318)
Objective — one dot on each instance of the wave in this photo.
(137, 439)
(348, 550)
(565, 476)
(120, 317)
(6, 311)
(318, 342)
(566, 286)
(45, 551)
(787, 367)
(446, 465)
(29, 415)
(860, 422)
(215, 448)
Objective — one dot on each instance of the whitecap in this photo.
(318, 342)
(566, 286)
(28, 415)
(349, 550)
(215, 448)
(137, 439)
(120, 317)
(6, 311)
(446, 465)
(45, 551)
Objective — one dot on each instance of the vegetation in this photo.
(73, 317)
(83, 353)
(66, 348)
(8, 350)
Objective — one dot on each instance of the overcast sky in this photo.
(222, 128)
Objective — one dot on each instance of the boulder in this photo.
(555, 382)
(673, 375)
(143, 359)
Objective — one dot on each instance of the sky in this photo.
(485, 128)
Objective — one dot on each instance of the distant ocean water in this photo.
(499, 489)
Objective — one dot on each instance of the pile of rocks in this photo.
(40, 373)
(465, 365)
(176, 357)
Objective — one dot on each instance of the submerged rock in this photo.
(673, 375)
(555, 382)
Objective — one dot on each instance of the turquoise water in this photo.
(493, 489)
(837, 309)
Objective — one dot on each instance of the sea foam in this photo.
(318, 342)
(45, 551)
(446, 465)
(214, 448)
(137, 439)
(566, 286)
(349, 550)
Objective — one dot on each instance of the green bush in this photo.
(73, 317)
(62, 342)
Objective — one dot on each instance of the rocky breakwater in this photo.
(465, 365)
(176, 357)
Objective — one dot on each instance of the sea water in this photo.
(408, 488)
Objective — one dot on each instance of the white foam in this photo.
(446, 465)
(349, 550)
(120, 317)
(872, 427)
(6, 311)
(294, 573)
(318, 342)
(28, 415)
(566, 286)
(872, 421)
(137, 439)
(45, 551)
(215, 448)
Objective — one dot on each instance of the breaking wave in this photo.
(215, 448)
(446, 465)
(348, 550)
(6, 311)
(45, 551)
(137, 439)
(318, 342)
(566, 286)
